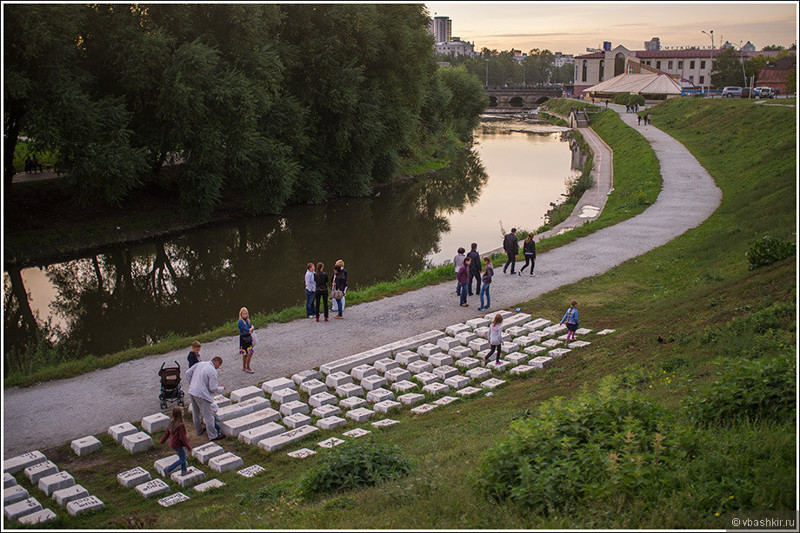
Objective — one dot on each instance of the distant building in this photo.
(559, 59)
(747, 47)
(455, 48)
(442, 29)
(653, 44)
(776, 72)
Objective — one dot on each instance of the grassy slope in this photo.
(679, 291)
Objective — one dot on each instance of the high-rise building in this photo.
(442, 29)
(653, 44)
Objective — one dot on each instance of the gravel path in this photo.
(52, 413)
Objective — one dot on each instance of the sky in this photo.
(571, 27)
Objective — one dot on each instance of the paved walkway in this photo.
(54, 412)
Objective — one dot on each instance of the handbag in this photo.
(254, 337)
(336, 294)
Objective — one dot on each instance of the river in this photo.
(130, 295)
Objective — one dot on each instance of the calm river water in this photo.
(128, 295)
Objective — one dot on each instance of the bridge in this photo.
(521, 97)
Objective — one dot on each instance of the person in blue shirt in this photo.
(194, 355)
(571, 318)
(245, 339)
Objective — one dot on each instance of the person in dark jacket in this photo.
(322, 290)
(176, 433)
(194, 355)
(511, 246)
(474, 268)
(529, 250)
(339, 284)
(463, 278)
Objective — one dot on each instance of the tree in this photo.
(773, 47)
(727, 69)
(467, 99)
(540, 66)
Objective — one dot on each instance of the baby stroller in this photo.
(170, 385)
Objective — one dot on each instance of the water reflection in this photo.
(130, 295)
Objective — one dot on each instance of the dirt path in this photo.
(52, 413)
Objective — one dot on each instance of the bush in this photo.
(354, 464)
(759, 389)
(769, 250)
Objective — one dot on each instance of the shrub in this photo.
(769, 250)
(354, 464)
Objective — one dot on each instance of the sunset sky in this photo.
(571, 27)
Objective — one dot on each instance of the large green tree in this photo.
(727, 69)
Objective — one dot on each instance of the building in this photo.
(747, 47)
(775, 73)
(455, 48)
(650, 85)
(652, 44)
(442, 29)
(559, 59)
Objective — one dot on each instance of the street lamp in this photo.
(487, 72)
(741, 60)
(710, 33)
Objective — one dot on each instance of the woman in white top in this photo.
(495, 339)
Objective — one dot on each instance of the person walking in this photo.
(311, 289)
(511, 247)
(176, 433)
(474, 268)
(638, 120)
(321, 280)
(194, 355)
(529, 250)
(495, 339)
(488, 272)
(337, 290)
(203, 385)
(458, 260)
(245, 339)
(336, 306)
(463, 278)
(571, 318)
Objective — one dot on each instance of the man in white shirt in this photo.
(203, 385)
(311, 289)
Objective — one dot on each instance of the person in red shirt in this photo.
(176, 433)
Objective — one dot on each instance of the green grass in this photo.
(695, 292)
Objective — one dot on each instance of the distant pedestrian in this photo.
(511, 246)
(458, 260)
(176, 433)
(495, 339)
(245, 339)
(529, 251)
(463, 278)
(194, 355)
(36, 164)
(474, 268)
(638, 120)
(203, 385)
(28, 164)
(488, 272)
(321, 295)
(311, 289)
(337, 290)
(571, 318)
(341, 305)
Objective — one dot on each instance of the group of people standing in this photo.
(316, 282)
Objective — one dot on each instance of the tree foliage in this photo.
(727, 69)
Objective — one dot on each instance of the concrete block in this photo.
(386, 405)
(508, 347)
(455, 329)
(172, 499)
(482, 355)
(422, 409)
(324, 411)
(440, 360)
(245, 393)
(375, 382)
(362, 371)
(277, 384)
(476, 345)
(397, 374)
(134, 476)
(436, 389)
(162, 464)
(582, 331)
(330, 443)
(337, 379)
(521, 370)
(352, 402)
(290, 408)
(403, 386)
(207, 451)
(555, 329)
(605, 331)
(418, 367)
(138, 442)
(468, 391)
(313, 386)
(445, 400)
(578, 344)
(208, 485)
(296, 420)
(523, 342)
(517, 319)
(457, 382)
(425, 378)
(250, 471)
(478, 373)
(405, 357)
(85, 505)
(302, 453)
(58, 481)
(8, 480)
(276, 442)
(385, 423)
(534, 350)
(505, 337)
(154, 487)
(64, 496)
(40, 470)
(235, 426)
(120, 431)
(226, 462)
(482, 332)
(551, 343)
(306, 375)
(38, 517)
(445, 371)
(151, 424)
(411, 398)
(284, 395)
(516, 358)
(445, 343)
(350, 362)
(429, 349)
(492, 383)
(537, 324)
(465, 337)
(467, 363)
(356, 433)
(257, 434)
(331, 422)
(500, 366)
(502, 312)
(322, 398)
(516, 331)
(558, 352)
(17, 510)
(349, 390)
(192, 477)
(236, 410)
(14, 494)
(378, 395)
(541, 361)
(362, 414)
(539, 336)
(386, 364)
(222, 401)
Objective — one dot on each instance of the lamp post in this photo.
(710, 33)
(741, 61)
(487, 72)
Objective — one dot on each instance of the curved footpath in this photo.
(55, 412)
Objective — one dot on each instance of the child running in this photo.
(495, 339)
(176, 433)
(571, 317)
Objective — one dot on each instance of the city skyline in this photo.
(571, 27)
